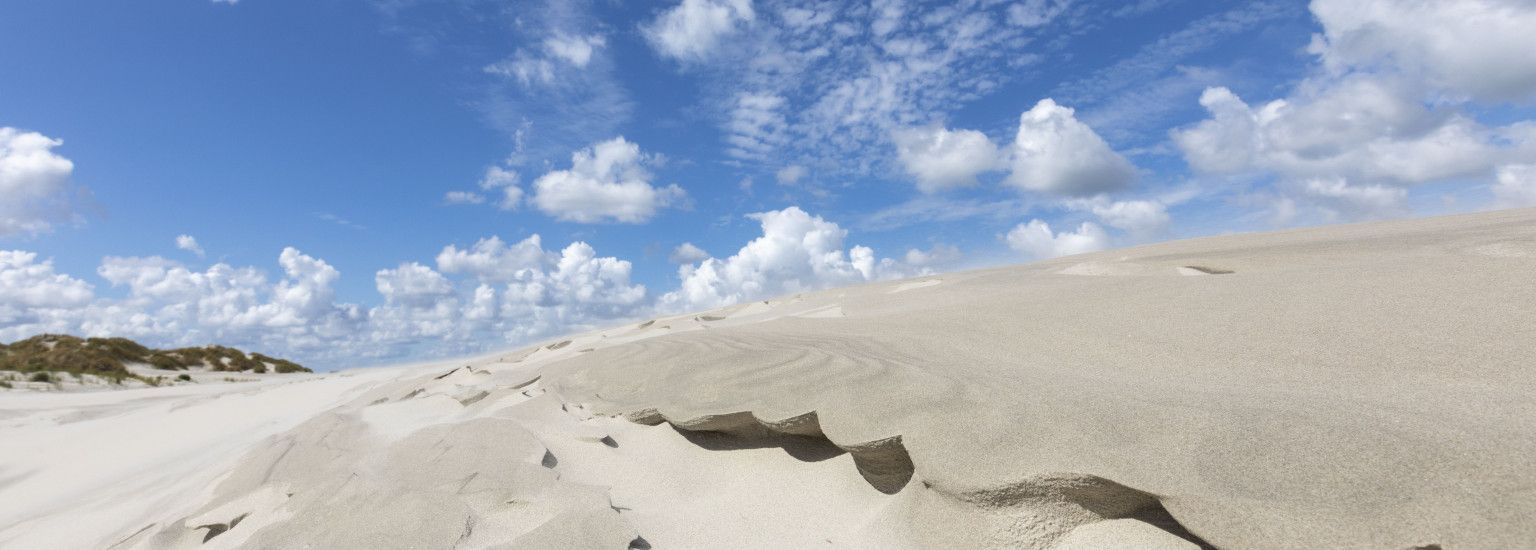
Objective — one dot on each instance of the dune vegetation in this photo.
(109, 357)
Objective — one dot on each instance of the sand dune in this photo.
(1359, 386)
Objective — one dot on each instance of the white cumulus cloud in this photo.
(1393, 106)
(1037, 240)
(939, 158)
(172, 304)
(26, 283)
(690, 30)
(513, 292)
(938, 255)
(1476, 48)
(589, 284)
(412, 284)
(497, 180)
(687, 253)
(34, 182)
(504, 181)
(1361, 128)
(797, 251)
(1055, 153)
(1340, 199)
(304, 295)
(1350, 147)
(492, 260)
(1516, 186)
(1142, 219)
(189, 244)
(487, 295)
(606, 182)
(418, 303)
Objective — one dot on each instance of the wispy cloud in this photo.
(825, 84)
(936, 208)
(558, 89)
(1163, 56)
(338, 220)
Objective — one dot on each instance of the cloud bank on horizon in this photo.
(821, 124)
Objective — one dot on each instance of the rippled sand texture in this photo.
(1361, 386)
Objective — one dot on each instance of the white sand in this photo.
(1361, 386)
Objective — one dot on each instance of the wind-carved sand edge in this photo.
(887, 466)
(884, 463)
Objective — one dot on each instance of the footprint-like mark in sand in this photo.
(577, 411)
(216, 529)
(475, 398)
(527, 386)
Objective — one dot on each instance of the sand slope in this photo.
(1361, 386)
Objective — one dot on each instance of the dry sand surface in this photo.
(1359, 386)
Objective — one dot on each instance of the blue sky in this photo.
(791, 145)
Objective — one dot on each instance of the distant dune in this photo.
(63, 362)
(1354, 386)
